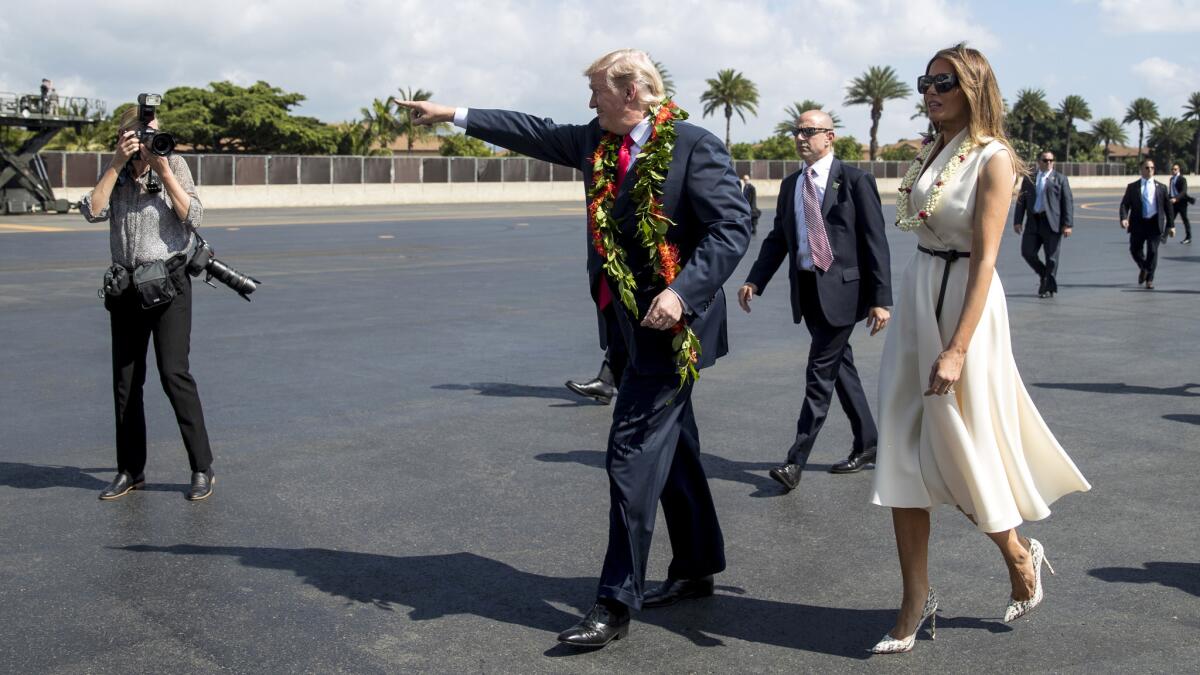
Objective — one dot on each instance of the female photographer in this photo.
(148, 293)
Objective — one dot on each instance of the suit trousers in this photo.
(654, 456)
(1038, 237)
(615, 356)
(1143, 244)
(170, 325)
(1181, 208)
(830, 368)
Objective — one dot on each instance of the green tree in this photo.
(226, 117)
(1073, 108)
(794, 111)
(899, 153)
(873, 88)
(776, 147)
(1030, 109)
(1168, 141)
(379, 128)
(405, 124)
(1108, 130)
(742, 151)
(922, 110)
(847, 148)
(1143, 111)
(732, 92)
(1191, 112)
(462, 145)
(668, 83)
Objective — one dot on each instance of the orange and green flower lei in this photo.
(653, 224)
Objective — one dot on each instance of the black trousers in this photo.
(1143, 244)
(615, 356)
(170, 326)
(830, 369)
(654, 456)
(1181, 207)
(1038, 237)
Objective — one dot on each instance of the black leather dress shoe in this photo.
(202, 485)
(857, 461)
(674, 590)
(1141, 277)
(788, 475)
(602, 625)
(122, 485)
(596, 389)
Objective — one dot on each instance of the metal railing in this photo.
(53, 105)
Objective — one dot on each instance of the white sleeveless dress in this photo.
(984, 448)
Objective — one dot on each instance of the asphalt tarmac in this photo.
(403, 483)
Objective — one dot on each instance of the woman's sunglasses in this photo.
(942, 82)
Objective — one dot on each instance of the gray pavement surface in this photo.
(403, 483)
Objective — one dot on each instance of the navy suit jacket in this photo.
(700, 194)
(861, 275)
(1059, 202)
(1131, 207)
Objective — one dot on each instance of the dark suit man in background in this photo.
(1177, 192)
(1045, 208)
(654, 444)
(751, 194)
(1146, 213)
(829, 227)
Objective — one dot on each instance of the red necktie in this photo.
(624, 159)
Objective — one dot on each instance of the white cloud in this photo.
(1150, 16)
(1166, 77)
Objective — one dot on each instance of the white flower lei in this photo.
(905, 220)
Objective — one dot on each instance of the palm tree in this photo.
(1142, 111)
(1192, 113)
(923, 111)
(404, 120)
(1031, 107)
(1073, 108)
(732, 91)
(1168, 138)
(872, 88)
(379, 126)
(1108, 131)
(668, 83)
(795, 110)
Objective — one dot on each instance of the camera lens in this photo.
(162, 144)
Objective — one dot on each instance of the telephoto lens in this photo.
(158, 142)
(232, 278)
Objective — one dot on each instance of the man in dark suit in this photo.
(1045, 209)
(829, 227)
(654, 445)
(1178, 194)
(1146, 213)
(751, 194)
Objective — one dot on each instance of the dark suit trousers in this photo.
(171, 326)
(1143, 244)
(1181, 208)
(1039, 237)
(830, 368)
(615, 357)
(654, 456)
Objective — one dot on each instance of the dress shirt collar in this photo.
(821, 167)
(641, 133)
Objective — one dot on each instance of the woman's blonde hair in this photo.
(128, 120)
(984, 103)
(626, 66)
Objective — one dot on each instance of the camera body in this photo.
(158, 142)
(203, 260)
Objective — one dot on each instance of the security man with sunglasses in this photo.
(1044, 211)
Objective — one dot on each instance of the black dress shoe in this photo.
(788, 475)
(122, 485)
(857, 461)
(1043, 287)
(602, 625)
(202, 485)
(1141, 277)
(596, 389)
(674, 590)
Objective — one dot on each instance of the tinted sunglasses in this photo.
(942, 82)
(1046, 161)
(808, 132)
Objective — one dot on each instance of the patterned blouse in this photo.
(143, 226)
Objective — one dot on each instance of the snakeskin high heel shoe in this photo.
(1019, 608)
(891, 645)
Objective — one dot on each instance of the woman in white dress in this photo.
(956, 423)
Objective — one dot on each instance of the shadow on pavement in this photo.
(1122, 388)
(510, 390)
(43, 476)
(714, 467)
(435, 586)
(1180, 417)
(1181, 575)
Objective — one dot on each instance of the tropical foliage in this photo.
(730, 92)
(873, 88)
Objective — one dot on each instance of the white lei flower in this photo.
(905, 219)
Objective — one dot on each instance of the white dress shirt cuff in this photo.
(460, 117)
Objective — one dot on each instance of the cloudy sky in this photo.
(528, 55)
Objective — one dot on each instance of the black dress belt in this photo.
(949, 257)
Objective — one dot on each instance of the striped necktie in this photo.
(818, 240)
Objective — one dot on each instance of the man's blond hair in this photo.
(630, 66)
